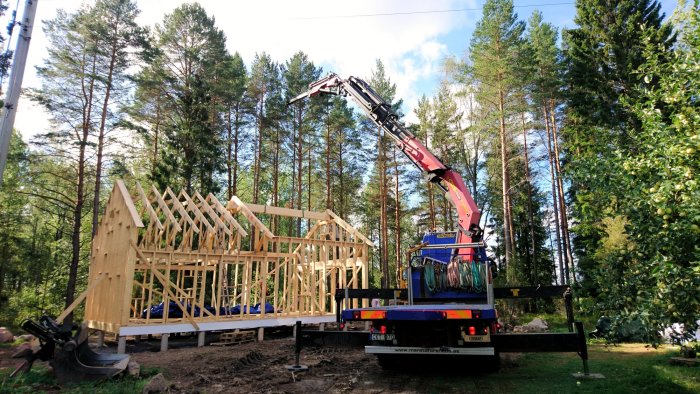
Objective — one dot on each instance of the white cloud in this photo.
(332, 33)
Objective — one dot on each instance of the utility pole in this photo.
(15, 84)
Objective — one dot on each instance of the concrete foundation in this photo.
(121, 345)
(164, 342)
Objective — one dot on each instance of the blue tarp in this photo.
(254, 310)
(174, 311)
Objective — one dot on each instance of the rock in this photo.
(133, 369)
(157, 384)
(22, 350)
(26, 337)
(536, 325)
(6, 335)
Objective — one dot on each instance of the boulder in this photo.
(6, 335)
(536, 325)
(133, 369)
(157, 384)
(26, 337)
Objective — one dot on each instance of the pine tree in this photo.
(113, 22)
(304, 115)
(76, 81)
(382, 84)
(238, 110)
(191, 54)
(495, 54)
(545, 94)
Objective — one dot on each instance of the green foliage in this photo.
(638, 239)
(41, 380)
(659, 181)
(191, 54)
(601, 56)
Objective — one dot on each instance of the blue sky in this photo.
(411, 37)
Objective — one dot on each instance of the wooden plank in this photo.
(192, 207)
(166, 287)
(129, 204)
(165, 208)
(347, 227)
(251, 217)
(205, 207)
(147, 204)
(183, 212)
(80, 298)
(287, 212)
(226, 214)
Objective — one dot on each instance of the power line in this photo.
(422, 12)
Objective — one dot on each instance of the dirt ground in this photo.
(260, 367)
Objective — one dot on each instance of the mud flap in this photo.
(79, 363)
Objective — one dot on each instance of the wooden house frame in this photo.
(211, 263)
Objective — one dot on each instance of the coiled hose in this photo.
(429, 274)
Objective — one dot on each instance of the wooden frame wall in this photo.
(192, 253)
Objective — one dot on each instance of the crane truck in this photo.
(449, 307)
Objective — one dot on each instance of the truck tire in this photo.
(492, 363)
(388, 362)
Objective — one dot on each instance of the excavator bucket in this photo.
(82, 363)
(67, 350)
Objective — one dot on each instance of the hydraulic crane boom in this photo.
(379, 111)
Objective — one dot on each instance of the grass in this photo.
(39, 380)
(557, 321)
(628, 368)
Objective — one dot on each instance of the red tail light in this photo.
(472, 330)
(382, 329)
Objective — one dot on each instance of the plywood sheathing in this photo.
(208, 257)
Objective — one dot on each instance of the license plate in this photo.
(383, 337)
(478, 338)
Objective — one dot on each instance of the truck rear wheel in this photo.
(492, 363)
(388, 362)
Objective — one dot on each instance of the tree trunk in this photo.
(229, 155)
(154, 161)
(100, 139)
(275, 179)
(236, 141)
(532, 255)
(431, 198)
(79, 199)
(300, 166)
(383, 231)
(562, 206)
(397, 218)
(342, 211)
(258, 154)
(555, 199)
(329, 199)
(309, 185)
(505, 184)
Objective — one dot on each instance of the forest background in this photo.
(579, 145)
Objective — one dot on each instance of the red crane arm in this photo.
(379, 111)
